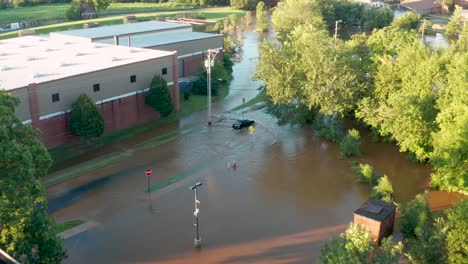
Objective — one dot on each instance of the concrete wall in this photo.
(22, 111)
(113, 82)
(193, 46)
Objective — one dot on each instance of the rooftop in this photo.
(34, 59)
(420, 4)
(375, 209)
(122, 29)
(164, 38)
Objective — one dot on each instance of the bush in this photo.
(159, 96)
(73, 12)
(365, 172)
(327, 126)
(186, 95)
(355, 246)
(86, 121)
(218, 74)
(383, 190)
(414, 213)
(351, 144)
(457, 239)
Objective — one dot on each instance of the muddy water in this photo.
(288, 194)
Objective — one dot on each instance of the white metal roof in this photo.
(123, 29)
(162, 38)
(34, 59)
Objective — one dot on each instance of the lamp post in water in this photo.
(197, 240)
(209, 62)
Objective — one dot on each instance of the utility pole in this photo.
(209, 62)
(336, 30)
(7, 258)
(197, 240)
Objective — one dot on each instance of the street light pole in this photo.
(209, 62)
(197, 240)
(336, 30)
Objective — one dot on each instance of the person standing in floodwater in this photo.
(234, 164)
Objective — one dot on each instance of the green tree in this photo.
(383, 190)
(26, 232)
(73, 12)
(355, 245)
(365, 172)
(244, 4)
(159, 96)
(425, 237)
(457, 225)
(455, 25)
(99, 4)
(450, 142)
(291, 13)
(86, 121)
(407, 21)
(351, 144)
(262, 19)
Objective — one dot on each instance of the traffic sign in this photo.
(251, 129)
(148, 172)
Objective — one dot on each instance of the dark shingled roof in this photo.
(375, 209)
(420, 5)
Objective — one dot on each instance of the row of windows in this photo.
(97, 86)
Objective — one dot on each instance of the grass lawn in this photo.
(259, 98)
(59, 228)
(57, 11)
(212, 13)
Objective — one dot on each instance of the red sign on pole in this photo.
(148, 172)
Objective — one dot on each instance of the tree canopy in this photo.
(26, 232)
(159, 96)
(86, 121)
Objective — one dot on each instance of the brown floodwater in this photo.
(289, 193)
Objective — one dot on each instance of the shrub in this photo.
(414, 213)
(383, 190)
(159, 96)
(355, 246)
(86, 121)
(457, 239)
(218, 72)
(186, 95)
(351, 144)
(365, 172)
(73, 12)
(327, 126)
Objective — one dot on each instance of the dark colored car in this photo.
(240, 123)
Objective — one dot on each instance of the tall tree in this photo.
(26, 232)
(262, 17)
(291, 13)
(159, 96)
(86, 121)
(455, 25)
(450, 157)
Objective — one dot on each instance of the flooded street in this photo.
(288, 194)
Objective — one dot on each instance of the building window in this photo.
(96, 87)
(164, 71)
(55, 97)
(133, 78)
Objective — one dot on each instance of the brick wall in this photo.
(117, 114)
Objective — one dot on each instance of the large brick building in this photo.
(114, 65)
(48, 75)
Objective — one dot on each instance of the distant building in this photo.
(48, 75)
(422, 7)
(190, 46)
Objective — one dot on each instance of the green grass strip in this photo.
(59, 228)
(180, 176)
(88, 169)
(259, 98)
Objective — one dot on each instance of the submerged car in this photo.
(240, 123)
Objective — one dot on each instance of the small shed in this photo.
(378, 216)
